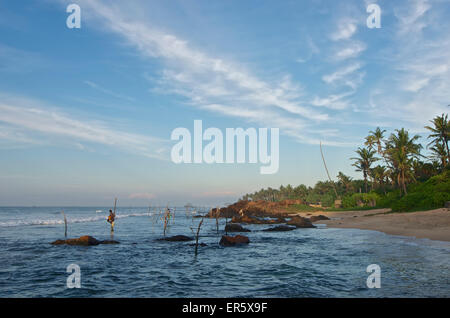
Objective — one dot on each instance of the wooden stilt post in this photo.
(65, 224)
(196, 236)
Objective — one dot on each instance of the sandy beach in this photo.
(434, 224)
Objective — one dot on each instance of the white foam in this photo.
(69, 220)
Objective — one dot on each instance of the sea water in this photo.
(320, 262)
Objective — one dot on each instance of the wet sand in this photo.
(433, 224)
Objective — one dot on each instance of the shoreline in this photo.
(433, 224)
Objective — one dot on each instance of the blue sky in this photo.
(86, 114)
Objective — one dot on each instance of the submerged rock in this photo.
(199, 244)
(85, 240)
(176, 238)
(234, 240)
(109, 242)
(235, 228)
(280, 228)
(320, 217)
(255, 220)
(300, 222)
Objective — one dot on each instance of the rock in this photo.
(234, 240)
(199, 244)
(300, 222)
(279, 220)
(280, 228)
(109, 242)
(316, 218)
(254, 220)
(244, 219)
(258, 208)
(176, 238)
(85, 240)
(235, 228)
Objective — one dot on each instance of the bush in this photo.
(360, 199)
(327, 200)
(428, 195)
(386, 201)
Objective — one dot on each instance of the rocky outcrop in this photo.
(234, 240)
(316, 218)
(300, 222)
(85, 240)
(231, 227)
(176, 238)
(280, 228)
(245, 219)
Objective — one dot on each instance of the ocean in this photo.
(320, 262)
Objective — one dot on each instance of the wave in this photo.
(69, 220)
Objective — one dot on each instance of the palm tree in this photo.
(370, 142)
(346, 182)
(379, 175)
(289, 191)
(401, 151)
(377, 138)
(301, 191)
(440, 132)
(364, 162)
(440, 153)
(424, 170)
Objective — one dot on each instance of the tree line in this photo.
(386, 162)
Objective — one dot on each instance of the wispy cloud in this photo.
(107, 91)
(17, 60)
(334, 101)
(410, 16)
(312, 48)
(30, 117)
(347, 75)
(346, 28)
(350, 50)
(213, 83)
(416, 86)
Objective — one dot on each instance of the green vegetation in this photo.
(404, 179)
(431, 194)
(302, 208)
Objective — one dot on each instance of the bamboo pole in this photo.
(115, 204)
(217, 219)
(226, 224)
(323, 158)
(65, 224)
(196, 236)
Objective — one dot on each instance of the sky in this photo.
(86, 114)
